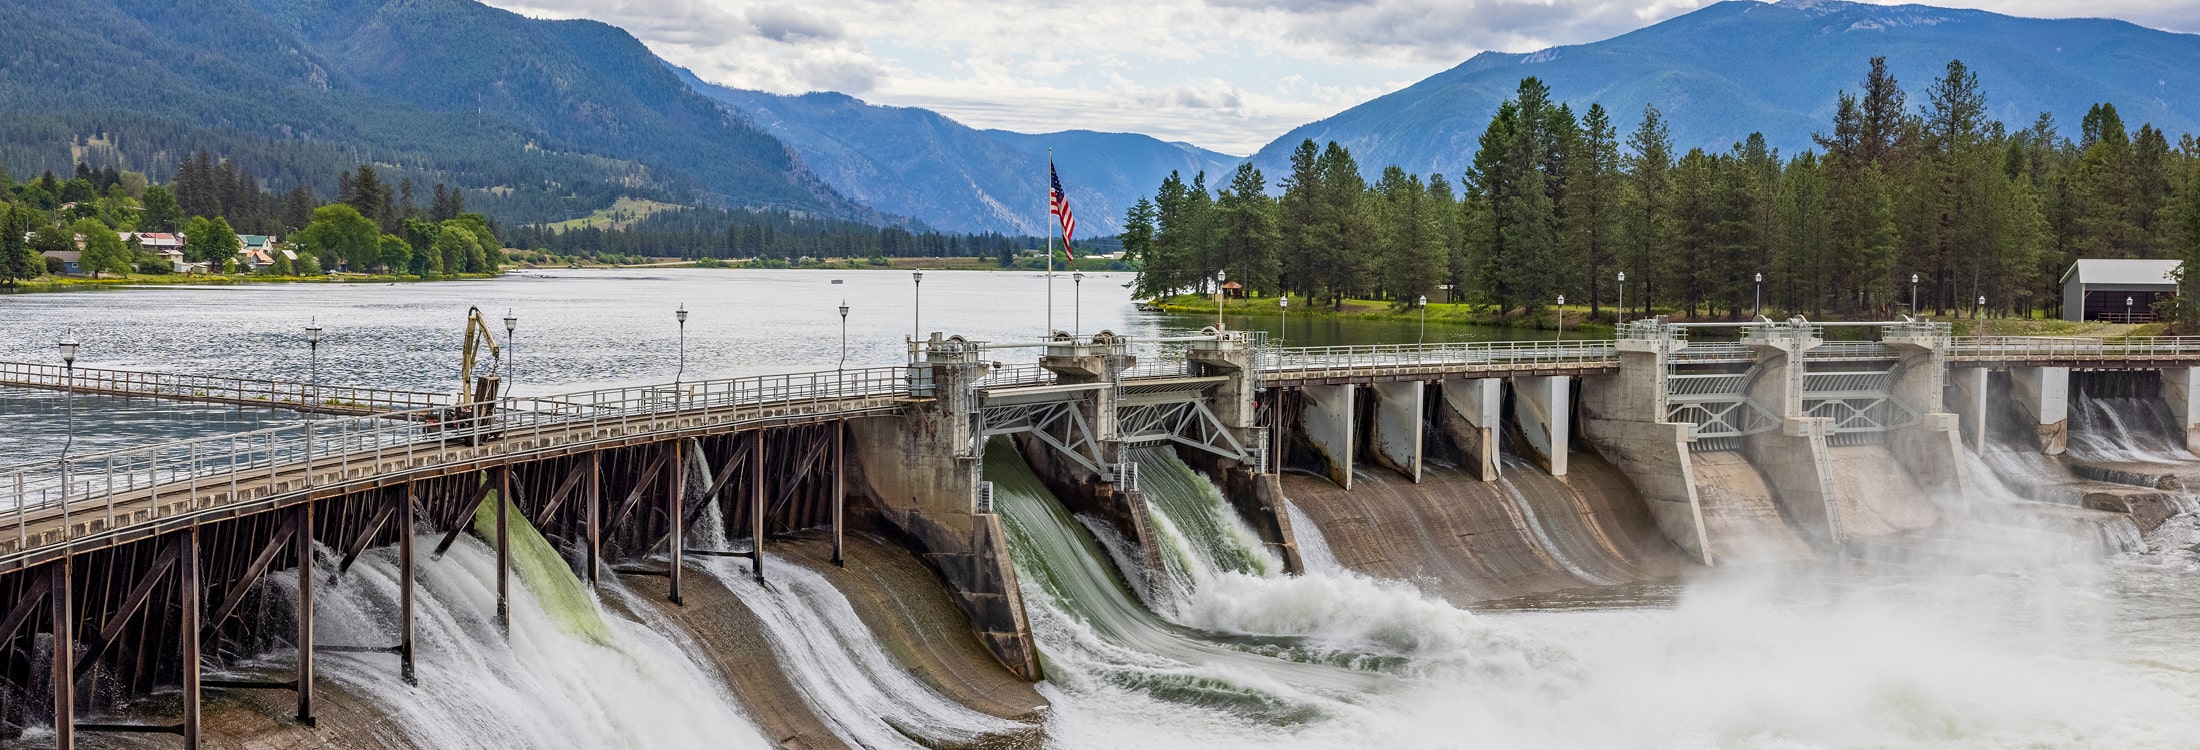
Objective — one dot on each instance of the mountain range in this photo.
(1737, 67)
(541, 120)
(544, 120)
(915, 162)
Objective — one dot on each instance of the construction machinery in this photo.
(477, 395)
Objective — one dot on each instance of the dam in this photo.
(1199, 538)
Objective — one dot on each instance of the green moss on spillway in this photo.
(544, 572)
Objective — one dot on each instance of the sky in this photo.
(1228, 75)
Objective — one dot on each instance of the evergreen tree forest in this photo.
(1561, 202)
(776, 235)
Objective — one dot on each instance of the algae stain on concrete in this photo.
(539, 565)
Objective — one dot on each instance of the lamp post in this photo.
(917, 322)
(1077, 304)
(843, 334)
(1561, 318)
(1913, 294)
(313, 379)
(1422, 303)
(1757, 309)
(2127, 311)
(1219, 275)
(68, 405)
(1981, 309)
(1285, 303)
(1619, 315)
(511, 352)
(681, 373)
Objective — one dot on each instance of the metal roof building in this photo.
(2117, 290)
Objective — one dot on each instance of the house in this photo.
(2117, 290)
(166, 246)
(71, 260)
(1233, 290)
(258, 251)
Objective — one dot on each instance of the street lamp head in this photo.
(2127, 301)
(1623, 277)
(1219, 275)
(917, 275)
(844, 309)
(1077, 277)
(1760, 278)
(511, 322)
(681, 314)
(1913, 278)
(68, 349)
(1561, 300)
(313, 331)
(1422, 302)
(1283, 302)
(1982, 299)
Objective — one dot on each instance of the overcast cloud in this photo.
(1224, 74)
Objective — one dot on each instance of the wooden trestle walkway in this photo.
(123, 551)
(309, 398)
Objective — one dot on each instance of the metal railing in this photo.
(2051, 347)
(101, 491)
(1493, 355)
(274, 393)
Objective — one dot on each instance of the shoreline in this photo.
(73, 284)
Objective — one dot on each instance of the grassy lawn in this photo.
(622, 214)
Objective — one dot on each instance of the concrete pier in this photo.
(1969, 387)
(1397, 435)
(1543, 408)
(1623, 417)
(2181, 389)
(2044, 395)
(1794, 460)
(1328, 419)
(1469, 414)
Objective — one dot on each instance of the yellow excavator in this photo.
(477, 396)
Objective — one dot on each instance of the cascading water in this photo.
(843, 673)
(1752, 658)
(570, 674)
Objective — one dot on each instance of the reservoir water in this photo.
(2002, 640)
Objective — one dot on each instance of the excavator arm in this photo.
(478, 335)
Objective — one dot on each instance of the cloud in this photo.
(782, 23)
(1225, 74)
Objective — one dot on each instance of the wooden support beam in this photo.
(504, 548)
(252, 574)
(64, 654)
(549, 510)
(756, 510)
(366, 537)
(465, 518)
(678, 514)
(304, 538)
(701, 504)
(405, 587)
(840, 487)
(112, 628)
(788, 483)
(635, 498)
(33, 595)
(595, 515)
(188, 631)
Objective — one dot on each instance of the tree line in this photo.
(371, 226)
(697, 233)
(1556, 203)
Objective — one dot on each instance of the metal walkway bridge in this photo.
(56, 507)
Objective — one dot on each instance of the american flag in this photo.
(1058, 206)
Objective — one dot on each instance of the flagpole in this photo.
(1050, 243)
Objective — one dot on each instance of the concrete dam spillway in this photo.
(1782, 541)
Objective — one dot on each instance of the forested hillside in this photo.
(536, 120)
(1559, 198)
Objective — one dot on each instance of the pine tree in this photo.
(1648, 223)
(1592, 208)
(1245, 230)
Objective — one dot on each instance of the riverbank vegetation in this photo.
(213, 224)
(1558, 203)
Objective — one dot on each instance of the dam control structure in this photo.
(127, 572)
